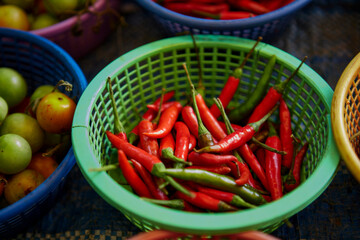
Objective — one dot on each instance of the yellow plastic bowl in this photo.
(345, 116)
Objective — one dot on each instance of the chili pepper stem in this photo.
(281, 86)
(118, 127)
(239, 202)
(205, 137)
(201, 87)
(177, 186)
(163, 185)
(256, 125)
(104, 168)
(158, 170)
(263, 145)
(157, 118)
(238, 71)
(168, 154)
(289, 179)
(68, 86)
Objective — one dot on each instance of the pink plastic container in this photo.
(79, 43)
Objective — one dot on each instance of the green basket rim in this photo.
(201, 223)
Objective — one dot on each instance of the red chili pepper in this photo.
(253, 163)
(224, 15)
(187, 8)
(182, 140)
(296, 169)
(268, 102)
(131, 176)
(232, 84)
(152, 163)
(208, 1)
(149, 161)
(149, 181)
(249, 5)
(228, 197)
(209, 159)
(150, 114)
(260, 155)
(192, 143)
(226, 95)
(204, 201)
(257, 185)
(271, 98)
(273, 4)
(206, 116)
(148, 144)
(286, 2)
(209, 120)
(189, 117)
(197, 1)
(156, 107)
(237, 138)
(244, 175)
(167, 149)
(273, 164)
(286, 134)
(221, 169)
(234, 169)
(166, 122)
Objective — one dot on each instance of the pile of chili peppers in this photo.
(201, 159)
(223, 9)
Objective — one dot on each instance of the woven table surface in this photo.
(328, 32)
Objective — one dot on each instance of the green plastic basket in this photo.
(138, 77)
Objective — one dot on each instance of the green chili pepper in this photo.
(172, 203)
(238, 114)
(217, 181)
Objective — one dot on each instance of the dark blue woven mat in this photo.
(326, 31)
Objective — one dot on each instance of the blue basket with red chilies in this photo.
(268, 25)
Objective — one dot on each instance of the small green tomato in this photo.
(15, 153)
(16, 86)
(44, 20)
(4, 109)
(25, 126)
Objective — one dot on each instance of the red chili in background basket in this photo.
(222, 9)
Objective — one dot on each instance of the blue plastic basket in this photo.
(267, 25)
(40, 62)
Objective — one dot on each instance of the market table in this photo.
(327, 31)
